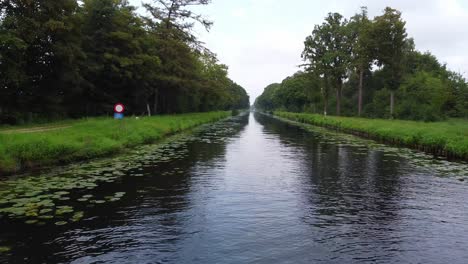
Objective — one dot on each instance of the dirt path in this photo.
(33, 129)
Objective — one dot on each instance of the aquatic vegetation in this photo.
(77, 216)
(449, 138)
(4, 249)
(458, 170)
(64, 209)
(89, 138)
(64, 194)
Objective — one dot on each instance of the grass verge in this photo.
(89, 138)
(448, 138)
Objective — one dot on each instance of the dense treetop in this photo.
(374, 70)
(72, 58)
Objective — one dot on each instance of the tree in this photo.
(172, 23)
(363, 48)
(121, 56)
(314, 53)
(267, 101)
(40, 53)
(423, 96)
(458, 101)
(390, 35)
(74, 58)
(176, 20)
(328, 52)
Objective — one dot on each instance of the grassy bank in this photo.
(448, 138)
(64, 142)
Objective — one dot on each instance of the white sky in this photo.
(261, 40)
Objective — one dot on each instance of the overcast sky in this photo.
(261, 40)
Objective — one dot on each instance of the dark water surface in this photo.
(258, 190)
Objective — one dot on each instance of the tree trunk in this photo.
(156, 98)
(361, 77)
(148, 109)
(325, 107)
(338, 98)
(392, 103)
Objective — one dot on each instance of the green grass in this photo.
(447, 138)
(6, 128)
(89, 138)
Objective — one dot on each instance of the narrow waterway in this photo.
(254, 189)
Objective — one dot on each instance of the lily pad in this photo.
(61, 210)
(61, 223)
(46, 217)
(45, 211)
(77, 216)
(5, 249)
(119, 194)
(62, 193)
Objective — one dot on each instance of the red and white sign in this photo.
(119, 108)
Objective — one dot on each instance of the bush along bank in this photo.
(447, 139)
(90, 138)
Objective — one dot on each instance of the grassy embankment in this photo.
(59, 143)
(447, 138)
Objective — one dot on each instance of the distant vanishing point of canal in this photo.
(253, 189)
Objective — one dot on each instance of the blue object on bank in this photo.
(118, 116)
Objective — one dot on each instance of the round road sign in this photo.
(119, 108)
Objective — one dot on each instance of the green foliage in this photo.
(457, 104)
(422, 97)
(390, 34)
(300, 92)
(74, 58)
(328, 53)
(375, 54)
(90, 138)
(268, 100)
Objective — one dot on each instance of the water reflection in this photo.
(258, 190)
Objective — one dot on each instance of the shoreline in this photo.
(93, 138)
(424, 137)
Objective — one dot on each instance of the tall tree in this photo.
(390, 35)
(363, 49)
(314, 53)
(176, 20)
(172, 22)
(328, 50)
(40, 51)
(121, 58)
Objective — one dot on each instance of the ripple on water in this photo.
(252, 189)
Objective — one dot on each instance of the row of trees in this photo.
(375, 71)
(72, 58)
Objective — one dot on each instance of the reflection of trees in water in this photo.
(148, 216)
(357, 193)
(169, 197)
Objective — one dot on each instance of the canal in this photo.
(251, 189)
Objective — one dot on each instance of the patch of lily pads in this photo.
(52, 197)
(61, 196)
(4, 249)
(360, 146)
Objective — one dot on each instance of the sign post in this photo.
(118, 111)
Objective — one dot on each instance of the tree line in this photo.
(369, 67)
(69, 58)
